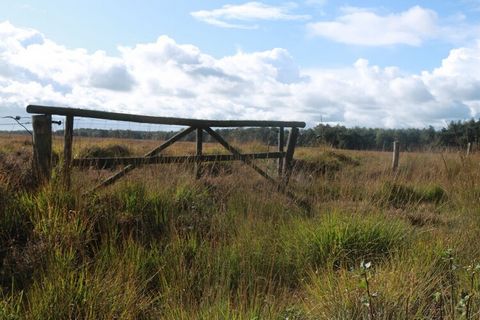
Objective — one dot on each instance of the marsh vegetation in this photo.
(162, 245)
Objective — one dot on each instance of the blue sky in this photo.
(103, 25)
(367, 63)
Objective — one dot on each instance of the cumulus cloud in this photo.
(169, 79)
(230, 15)
(114, 77)
(365, 27)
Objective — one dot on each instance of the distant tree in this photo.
(455, 134)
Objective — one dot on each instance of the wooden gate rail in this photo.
(42, 146)
(85, 113)
(140, 161)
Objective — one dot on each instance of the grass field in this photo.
(161, 245)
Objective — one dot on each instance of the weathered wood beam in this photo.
(139, 161)
(160, 120)
(198, 152)
(292, 141)
(281, 144)
(67, 151)
(396, 155)
(42, 146)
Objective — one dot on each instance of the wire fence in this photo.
(18, 121)
(19, 124)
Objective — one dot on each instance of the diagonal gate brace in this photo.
(236, 153)
(281, 187)
(110, 180)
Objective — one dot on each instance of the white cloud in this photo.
(114, 77)
(169, 79)
(230, 15)
(365, 27)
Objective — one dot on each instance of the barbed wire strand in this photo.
(17, 119)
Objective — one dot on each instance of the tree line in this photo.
(455, 134)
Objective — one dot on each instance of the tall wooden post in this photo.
(42, 147)
(199, 149)
(469, 148)
(67, 151)
(281, 144)
(292, 141)
(396, 155)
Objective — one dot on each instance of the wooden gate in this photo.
(42, 134)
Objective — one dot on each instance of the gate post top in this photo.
(42, 124)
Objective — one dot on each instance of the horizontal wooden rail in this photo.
(197, 123)
(137, 161)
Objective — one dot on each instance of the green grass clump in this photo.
(434, 194)
(10, 307)
(112, 287)
(131, 211)
(341, 240)
(400, 195)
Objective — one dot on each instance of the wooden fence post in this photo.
(199, 149)
(67, 151)
(396, 155)
(469, 148)
(281, 144)
(292, 141)
(42, 147)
